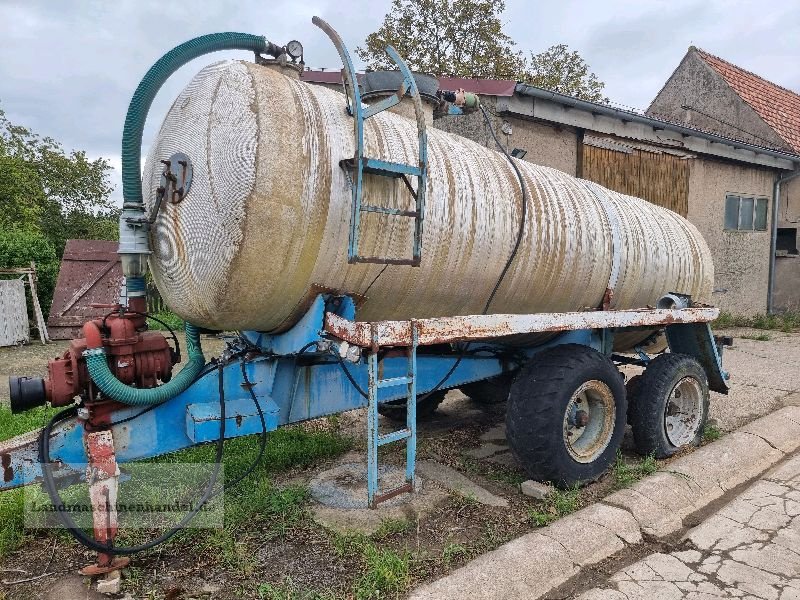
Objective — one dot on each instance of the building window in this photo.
(745, 213)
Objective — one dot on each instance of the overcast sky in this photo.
(68, 69)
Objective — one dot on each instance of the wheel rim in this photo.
(684, 412)
(589, 421)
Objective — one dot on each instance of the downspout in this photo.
(773, 241)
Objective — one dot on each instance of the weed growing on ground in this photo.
(168, 317)
(558, 504)
(626, 473)
(761, 337)
(711, 433)
(288, 591)
(391, 527)
(786, 322)
(512, 478)
(452, 552)
(385, 572)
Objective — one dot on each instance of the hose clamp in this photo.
(94, 352)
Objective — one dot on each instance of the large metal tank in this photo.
(265, 225)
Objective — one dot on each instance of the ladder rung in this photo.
(379, 260)
(394, 436)
(393, 381)
(389, 211)
(389, 169)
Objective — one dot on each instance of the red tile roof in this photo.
(777, 106)
(488, 87)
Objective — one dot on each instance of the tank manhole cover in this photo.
(345, 486)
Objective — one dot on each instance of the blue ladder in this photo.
(360, 164)
(409, 433)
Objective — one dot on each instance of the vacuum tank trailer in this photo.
(368, 260)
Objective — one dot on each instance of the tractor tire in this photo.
(494, 390)
(670, 407)
(396, 409)
(566, 415)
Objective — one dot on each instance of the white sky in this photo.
(68, 69)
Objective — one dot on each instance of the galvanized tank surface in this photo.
(264, 227)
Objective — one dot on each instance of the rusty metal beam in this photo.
(480, 327)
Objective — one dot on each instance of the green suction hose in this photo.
(133, 201)
(152, 82)
(112, 387)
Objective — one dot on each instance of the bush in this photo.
(18, 247)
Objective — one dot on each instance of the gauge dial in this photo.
(294, 49)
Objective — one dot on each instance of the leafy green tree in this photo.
(565, 72)
(446, 37)
(45, 189)
(18, 247)
(465, 39)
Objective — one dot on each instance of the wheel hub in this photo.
(684, 412)
(589, 421)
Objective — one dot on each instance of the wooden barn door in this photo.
(90, 274)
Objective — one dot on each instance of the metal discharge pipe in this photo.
(265, 226)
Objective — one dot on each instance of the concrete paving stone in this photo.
(744, 402)
(495, 434)
(526, 567)
(650, 590)
(598, 594)
(688, 557)
(721, 533)
(673, 492)
(749, 579)
(486, 450)
(639, 571)
(735, 459)
(791, 399)
(668, 567)
(535, 489)
(618, 521)
(772, 559)
(456, 482)
(785, 438)
(787, 471)
(585, 545)
(653, 518)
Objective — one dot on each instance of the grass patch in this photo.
(453, 552)
(558, 504)
(786, 322)
(392, 527)
(385, 573)
(711, 433)
(169, 317)
(760, 337)
(626, 474)
(288, 591)
(512, 478)
(12, 425)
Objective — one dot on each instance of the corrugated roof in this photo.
(777, 106)
(488, 87)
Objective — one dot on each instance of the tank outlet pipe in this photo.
(134, 235)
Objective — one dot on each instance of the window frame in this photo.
(757, 200)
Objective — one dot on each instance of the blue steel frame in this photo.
(294, 386)
(375, 166)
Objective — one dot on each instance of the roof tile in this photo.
(777, 106)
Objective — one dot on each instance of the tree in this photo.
(446, 37)
(466, 39)
(565, 72)
(46, 190)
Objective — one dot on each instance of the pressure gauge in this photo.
(294, 49)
